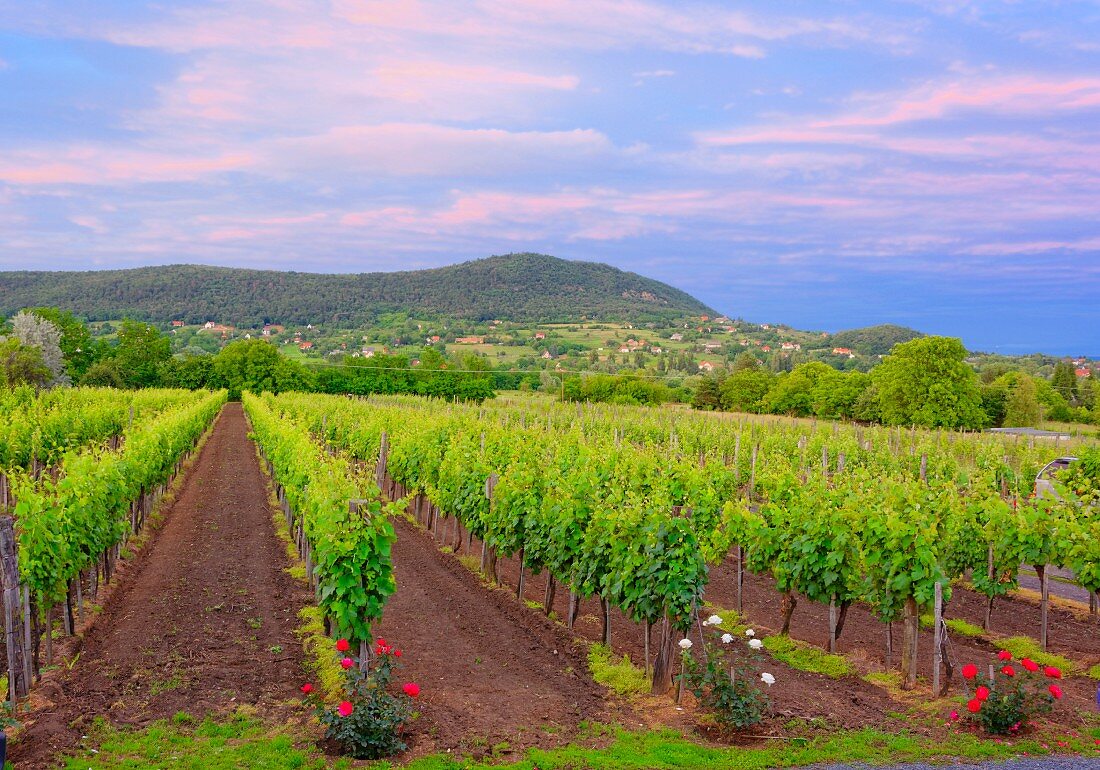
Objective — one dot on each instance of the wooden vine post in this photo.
(488, 555)
(15, 614)
(1044, 603)
(357, 507)
(937, 644)
(380, 470)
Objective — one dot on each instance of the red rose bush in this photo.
(1005, 703)
(369, 722)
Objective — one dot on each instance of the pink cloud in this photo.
(100, 165)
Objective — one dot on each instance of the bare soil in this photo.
(492, 673)
(201, 621)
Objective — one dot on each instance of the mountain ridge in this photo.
(516, 287)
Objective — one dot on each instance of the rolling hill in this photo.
(517, 287)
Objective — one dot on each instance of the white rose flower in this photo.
(727, 638)
(756, 644)
(750, 633)
(685, 644)
(713, 620)
(767, 679)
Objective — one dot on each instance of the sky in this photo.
(933, 163)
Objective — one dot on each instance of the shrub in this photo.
(1005, 703)
(369, 721)
(726, 682)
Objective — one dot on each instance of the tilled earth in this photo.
(202, 620)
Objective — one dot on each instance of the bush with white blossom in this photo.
(726, 681)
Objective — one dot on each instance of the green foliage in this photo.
(351, 550)
(1022, 407)
(874, 340)
(142, 350)
(927, 382)
(617, 389)
(805, 657)
(727, 683)
(621, 676)
(22, 365)
(65, 523)
(515, 286)
(257, 366)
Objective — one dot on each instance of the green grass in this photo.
(185, 744)
(963, 628)
(1094, 672)
(1026, 647)
(667, 749)
(321, 657)
(731, 621)
(621, 676)
(806, 657)
(243, 741)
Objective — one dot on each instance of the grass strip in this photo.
(806, 657)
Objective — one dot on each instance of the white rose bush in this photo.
(726, 682)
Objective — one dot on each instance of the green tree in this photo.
(1064, 381)
(1022, 409)
(708, 394)
(746, 360)
(256, 365)
(142, 351)
(22, 364)
(745, 389)
(836, 394)
(927, 382)
(793, 392)
(76, 342)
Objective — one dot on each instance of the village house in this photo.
(469, 340)
(766, 348)
(307, 345)
(844, 352)
(1083, 372)
(677, 337)
(791, 346)
(177, 324)
(706, 366)
(272, 329)
(540, 335)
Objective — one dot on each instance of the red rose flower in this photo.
(412, 690)
(345, 709)
(381, 642)
(1008, 671)
(343, 645)
(1056, 691)
(397, 653)
(974, 705)
(954, 716)
(1029, 664)
(982, 693)
(307, 688)
(1004, 655)
(970, 671)
(347, 663)
(1053, 672)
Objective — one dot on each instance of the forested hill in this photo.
(874, 340)
(519, 287)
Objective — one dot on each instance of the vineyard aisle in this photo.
(202, 621)
(493, 672)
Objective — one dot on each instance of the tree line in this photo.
(46, 347)
(925, 382)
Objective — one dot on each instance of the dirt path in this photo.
(493, 673)
(202, 621)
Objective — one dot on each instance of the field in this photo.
(648, 521)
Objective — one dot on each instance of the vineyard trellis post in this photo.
(937, 644)
(14, 613)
